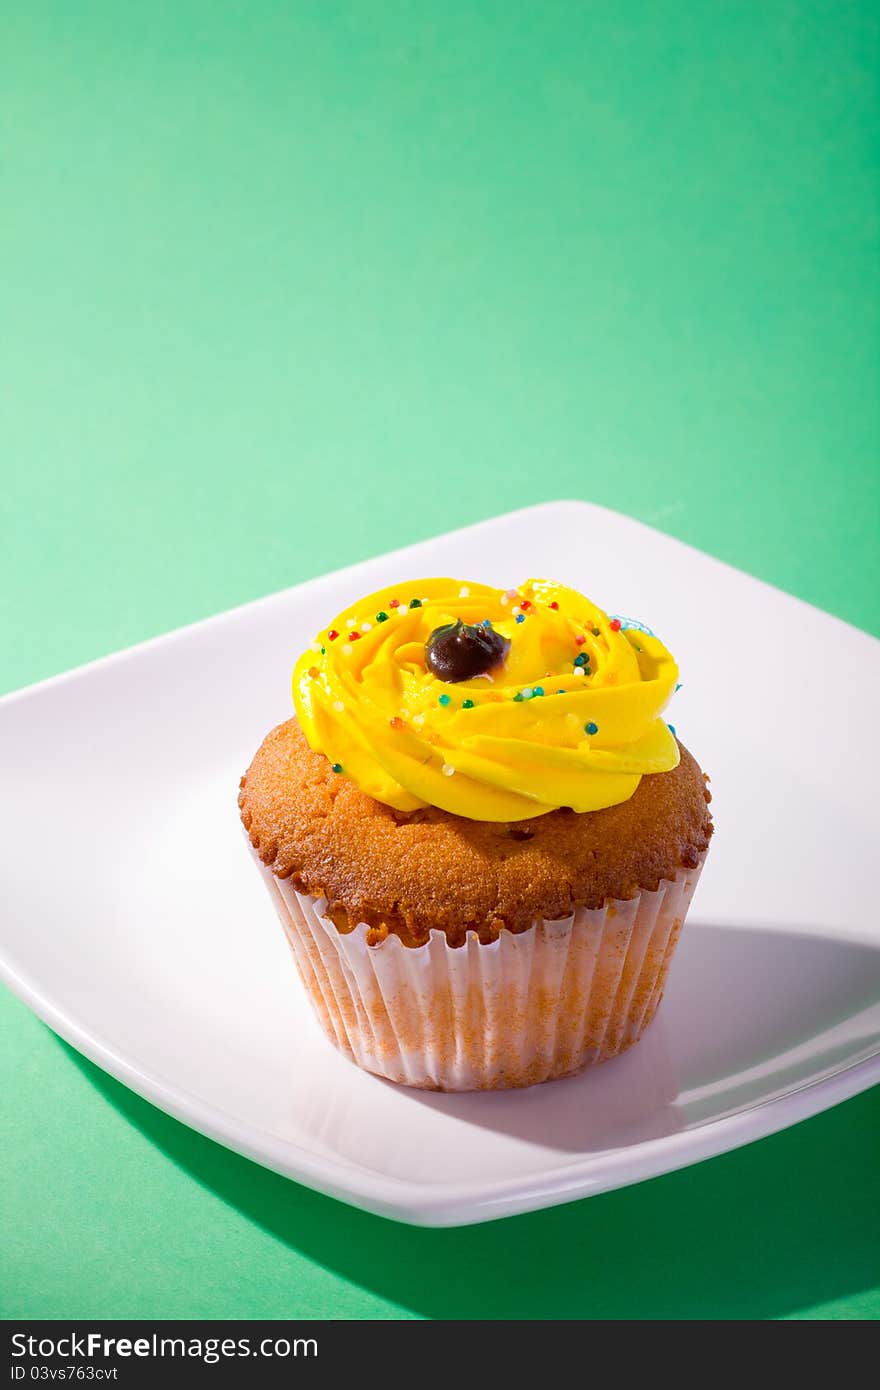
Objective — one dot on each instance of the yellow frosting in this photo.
(368, 701)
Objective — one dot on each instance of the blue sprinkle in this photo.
(520, 617)
(538, 690)
(671, 728)
(444, 700)
(487, 622)
(581, 660)
(336, 767)
(560, 692)
(678, 687)
(591, 728)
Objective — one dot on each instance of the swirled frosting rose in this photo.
(568, 716)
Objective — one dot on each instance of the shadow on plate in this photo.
(748, 1014)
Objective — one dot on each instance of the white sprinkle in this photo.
(346, 650)
(464, 592)
(338, 706)
(528, 693)
(516, 609)
(505, 600)
(366, 627)
(401, 612)
(447, 770)
(578, 671)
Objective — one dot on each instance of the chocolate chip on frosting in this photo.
(459, 652)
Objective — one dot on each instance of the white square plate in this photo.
(134, 924)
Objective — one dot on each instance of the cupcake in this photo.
(479, 833)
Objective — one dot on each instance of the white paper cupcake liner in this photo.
(530, 1006)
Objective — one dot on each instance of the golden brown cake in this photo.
(480, 836)
(413, 872)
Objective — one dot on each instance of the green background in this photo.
(287, 284)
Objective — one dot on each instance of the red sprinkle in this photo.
(354, 637)
(525, 603)
(555, 605)
(579, 641)
(332, 635)
(614, 624)
(394, 603)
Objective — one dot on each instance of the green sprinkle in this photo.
(444, 700)
(467, 704)
(381, 617)
(337, 767)
(415, 603)
(323, 651)
(517, 698)
(591, 728)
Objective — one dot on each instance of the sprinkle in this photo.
(323, 651)
(678, 687)
(467, 704)
(338, 706)
(510, 593)
(464, 592)
(525, 603)
(596, 632)
(336, 767)
(517, 608)
(517, 698)
(332, 634)
(447, 770)
(579, 641)
(581, 659)
(591, 728)
(381, 617)
(487, 622)
(314, 672)
(354, 636)
(347, 649)
(505, 600)
(528, 693)
(671, 728)
(560, 691)
(538, 690)
(555, 606)
(366, 627)
(415, 603)
(614, 624)
(520, 617)
(395, 603)
(444, 700)
(578, 671)
(397, 722)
